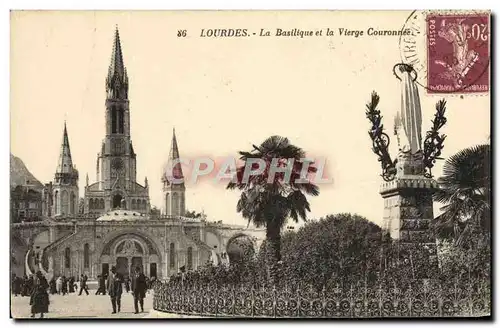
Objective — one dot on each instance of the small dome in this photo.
(122, 215)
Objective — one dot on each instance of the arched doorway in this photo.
(117, 201)
(128, 250)
(240, 248)
(129, 254)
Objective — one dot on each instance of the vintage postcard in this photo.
(250, 164)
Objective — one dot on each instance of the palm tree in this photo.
(270, 202)
(465, 188)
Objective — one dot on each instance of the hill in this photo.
(20, 175)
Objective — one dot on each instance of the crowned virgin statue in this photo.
(408, 121)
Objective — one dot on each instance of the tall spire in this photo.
(65, 164)
(173, 160)
(117, 80)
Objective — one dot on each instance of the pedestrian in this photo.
(83, 284)
(18, 286)
(64, 287)
(52, 286)
(139, 287)
(15, 285)
(101, 285)
(59, 285)
(71, 284)
(24, 291)
(39, 299)
(115, 289)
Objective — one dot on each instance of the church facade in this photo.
(114, 226)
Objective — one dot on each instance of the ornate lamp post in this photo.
(408, 185)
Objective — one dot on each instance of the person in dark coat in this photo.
(24, 286)
(115, 289)
(139, 287)
(71, 284)
(39, 300)
(83, 284)
(16, 285)
(101, 285)
(52, 286)
(64, 289)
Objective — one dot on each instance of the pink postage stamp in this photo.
(458, 53)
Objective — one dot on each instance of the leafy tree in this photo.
(465, 189)
(269, 201)
(192, 214)
(155, 210)
(341, 248)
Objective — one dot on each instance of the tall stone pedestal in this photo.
(408, 212)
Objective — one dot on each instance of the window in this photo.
(167, 204)
(190, 258)
(172, 255)
(133, 204)
(72, 203)
(86, 256)
(67, 258)
(101, 204)
(64, 202)
(113, 119)
(175, 204)
(56, 202)
(120, 121)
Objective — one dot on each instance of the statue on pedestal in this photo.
(408, 185)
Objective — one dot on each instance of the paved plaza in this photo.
(74, 306)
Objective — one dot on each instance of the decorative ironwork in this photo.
(433, 143)
(422, 298)
(380, 139)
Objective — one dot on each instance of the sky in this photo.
(222, 95)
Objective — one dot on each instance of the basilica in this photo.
(114, 226)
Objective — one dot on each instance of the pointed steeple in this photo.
(65, 164)
(117, 80)
(174, 168)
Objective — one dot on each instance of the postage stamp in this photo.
(458, 53)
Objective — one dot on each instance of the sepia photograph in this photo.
(250, 164)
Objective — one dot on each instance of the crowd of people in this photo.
(38, 288)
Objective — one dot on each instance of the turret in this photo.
(65, 186)
(174, 199)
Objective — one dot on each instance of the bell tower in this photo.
(116, 184)
(65, 187)
(117, 160)
(174, 190)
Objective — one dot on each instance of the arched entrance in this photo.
(117, 201)
(129, 255)
(129, 250)
(18, 250)
(240, 248)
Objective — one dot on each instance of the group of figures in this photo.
(114, 286)
(38, 289)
